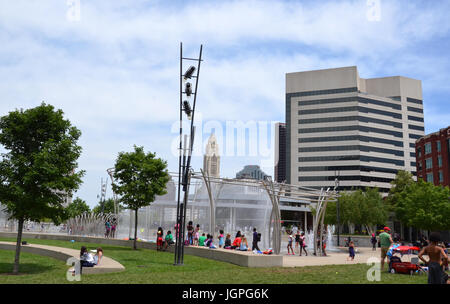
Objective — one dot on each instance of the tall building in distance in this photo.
(432, 157)
(364, 130)
(280, 152)
(251, 172)
(211, 159)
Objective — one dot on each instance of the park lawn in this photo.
(154, 267)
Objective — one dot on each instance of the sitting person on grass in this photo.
(86, 258)
(168, 240)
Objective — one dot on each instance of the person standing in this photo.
(289, 246)
(385, 242)
(190, 232)
(373, 240)
(351, 251)
(436, 254)
(302, 244)
(256, 239)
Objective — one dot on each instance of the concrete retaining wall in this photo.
(246, 259)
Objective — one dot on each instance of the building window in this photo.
(427, 148)
(438, 146)
(419, 166)
(428, 163)
(419, 152)
(441, 177)
(430, 177)
(440, 161)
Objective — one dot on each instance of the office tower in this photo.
(280, 152)
(251, 172)
(363, 130)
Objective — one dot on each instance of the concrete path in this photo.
(333, 258)
(106, 264)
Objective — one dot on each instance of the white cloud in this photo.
(114, 72)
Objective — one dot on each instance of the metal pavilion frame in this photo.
(275, 191)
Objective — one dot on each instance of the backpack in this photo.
(259, 237)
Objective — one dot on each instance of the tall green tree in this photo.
(395, 199)
(425, 206)
(109, 207)
(139, 177)
(77, 207)
(38, 170)
(365, 208)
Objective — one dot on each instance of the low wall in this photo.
(360, 241)
(245, 259)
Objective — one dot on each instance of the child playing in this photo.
(227, 242)
(289, 246)
(196, 234)
(221, 239)
(351, 251)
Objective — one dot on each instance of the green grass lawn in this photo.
(153, 267)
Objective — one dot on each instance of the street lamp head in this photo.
(187, 109)
(189, 72)
(188, 89)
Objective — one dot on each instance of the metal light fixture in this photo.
(188, 89)
(189, 72)
(187, 109)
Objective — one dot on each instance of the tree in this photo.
(38, 170)
(77, 207)
(397, 193)
(425, 206)
(109, 207)
(365, 208)
(139, 178)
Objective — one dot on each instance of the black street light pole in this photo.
(184, 161)
(336, 182)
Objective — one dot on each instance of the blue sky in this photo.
(113, 70)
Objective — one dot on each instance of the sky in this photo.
(113, 67)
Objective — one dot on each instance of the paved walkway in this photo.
(333, 258)
(106, 264)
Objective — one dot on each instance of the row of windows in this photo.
(430, 177)
(351, 118)
(351, 157)
(347, 168)
(343, 178)
(412, 109)
(350, 148)
(351, 128)
(323, 92)
(413, 100)
(350, 99)
(415, 136)
(398, 98)
(415, 118)
(350, 109)
(419, 128)
(351, 137)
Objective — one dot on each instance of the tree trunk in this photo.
(135, 228)
(18, 247)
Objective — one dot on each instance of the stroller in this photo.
(410, 265)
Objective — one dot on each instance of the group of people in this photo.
(435, 250)
(110, 228)
(300, 242)
(194, 238)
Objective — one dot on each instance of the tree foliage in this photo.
(109, 207)
(77, 207)
(424, 206)
(365, 208)
(38, 170)
(139, 177)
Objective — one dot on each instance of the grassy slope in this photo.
(153, 267)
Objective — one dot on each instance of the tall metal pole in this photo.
(336, 181)
(184, 166)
